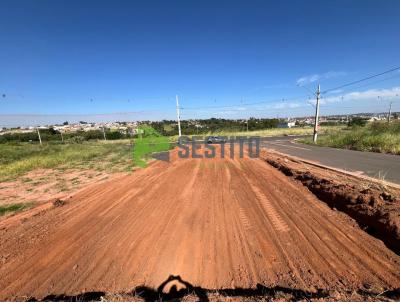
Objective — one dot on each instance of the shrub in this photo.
(357, 121)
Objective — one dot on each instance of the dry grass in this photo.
(17, 159)
(375, 137)
(271, 132)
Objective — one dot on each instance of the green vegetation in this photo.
(375, 136)
(17, 159)
(357, 121)
(51, 135)
(308, 130)
(150, 141)
(14, 207)
(268, 132)
(212, 125)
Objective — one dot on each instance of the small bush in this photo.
(76, 139)
(357, 121)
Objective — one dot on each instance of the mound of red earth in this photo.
(374, 206)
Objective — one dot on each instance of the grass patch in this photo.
(376, 136)
(15, 207)
(17, 159)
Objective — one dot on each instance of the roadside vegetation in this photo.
(305, 130)
(19, 158)
(51, 135)
(15, 207)
(20, 153)
(302, 130)
(214, 126)
(378, 136)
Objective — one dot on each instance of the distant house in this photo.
(374, 118)
(286, 125)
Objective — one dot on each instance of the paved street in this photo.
(377, 165)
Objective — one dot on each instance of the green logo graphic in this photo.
(148, 143)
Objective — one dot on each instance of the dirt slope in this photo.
(217, 223)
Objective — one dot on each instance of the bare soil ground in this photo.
(235, 225)
(47, 184)
(374, 205)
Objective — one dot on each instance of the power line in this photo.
(306, 88)
(378, 81)
(71, 114)
(303, 96)
(244, 104)
(362, 80)
(282, 109)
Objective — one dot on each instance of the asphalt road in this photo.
(377, 165)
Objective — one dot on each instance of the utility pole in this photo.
(62, 137)
(390, 111)
(316, 122)
(38, 132)
(104, 134)
(178, 116)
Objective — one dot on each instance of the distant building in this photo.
(287, 125)
(374, 118)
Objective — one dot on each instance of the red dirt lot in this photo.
(217, 223)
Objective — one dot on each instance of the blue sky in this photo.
(85, 57)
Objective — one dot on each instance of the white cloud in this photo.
(284, 105)
(302, 106)
(318, 77)
(367, 95)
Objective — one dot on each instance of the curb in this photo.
(348, 173)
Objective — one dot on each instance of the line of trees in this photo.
(51, 135)
(165, 128)
(212, 125)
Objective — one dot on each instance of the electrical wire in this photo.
(244, 104)
(375, 82)
(361, 80)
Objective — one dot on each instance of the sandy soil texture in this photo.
(42, 185)
(217, 223)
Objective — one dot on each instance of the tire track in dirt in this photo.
(276, 220)
(215, 222)
(266, 232)
(333, 242)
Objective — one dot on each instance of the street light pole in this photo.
(38, 132)
(104, 133)
(316, 122)
(390, 111)
(178, 116)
